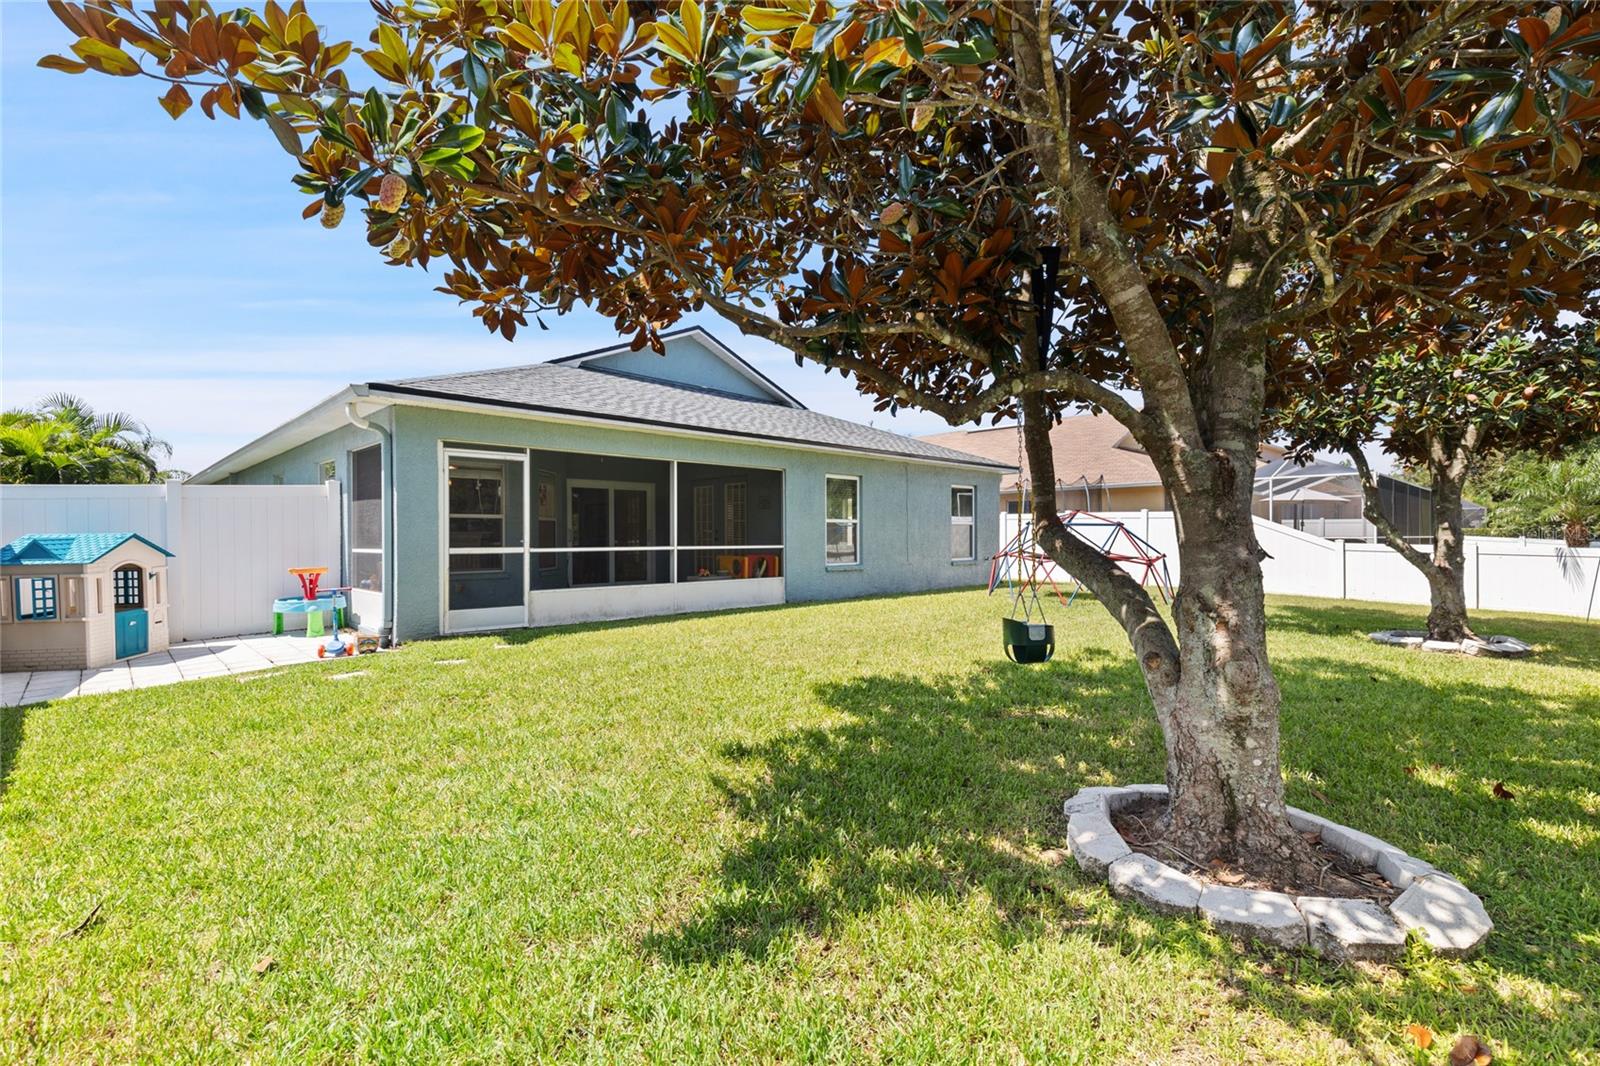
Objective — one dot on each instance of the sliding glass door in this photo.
(602, 517)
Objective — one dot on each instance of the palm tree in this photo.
(1564, 492)
(62, 440)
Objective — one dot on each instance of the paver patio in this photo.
(182, 662)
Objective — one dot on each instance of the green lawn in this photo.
(805, 834)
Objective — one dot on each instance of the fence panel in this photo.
(232, 545)
(1502, 574)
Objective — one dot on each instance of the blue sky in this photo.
(162, 268)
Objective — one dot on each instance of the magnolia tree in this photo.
(1439, 411)
(980, 208)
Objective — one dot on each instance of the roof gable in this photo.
(693, 358)
(67, 549)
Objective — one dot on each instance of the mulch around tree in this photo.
(1338, 875)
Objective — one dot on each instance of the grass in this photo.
(815, 834)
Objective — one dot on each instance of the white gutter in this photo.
(391, 587)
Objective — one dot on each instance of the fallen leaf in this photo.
(638, 831)
(215, 971)
(1411, 771)
(1421, 1035)
(1319, 795)
(1470, 1051)
(1052, 856)
(1501, 792)
(263, 964)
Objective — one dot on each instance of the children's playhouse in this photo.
(77, 601)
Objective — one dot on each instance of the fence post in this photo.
(1145, 511)
(172, 540)
(1344, 571)
(332, 491)
(1474, 594)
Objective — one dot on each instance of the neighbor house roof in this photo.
(578, 388)
(1087, 447)
(67, 549)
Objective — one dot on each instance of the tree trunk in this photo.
(1213, 689)
(1447, 576)
(1222, 721)
(1445, 567)
(1576, 533)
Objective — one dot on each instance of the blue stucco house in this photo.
(615, 484)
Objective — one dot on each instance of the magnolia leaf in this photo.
(285, 133)
(62, 63)
(1493, 116)
(462, 138)
(829, 106)
(921, 115)
(770, 20)
(176, 101)
(104, 57)
(1421, 1035)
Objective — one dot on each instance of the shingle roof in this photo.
(1088, 446)
(597, 393)
(66, 549)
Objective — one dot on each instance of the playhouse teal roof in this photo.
(67, 549)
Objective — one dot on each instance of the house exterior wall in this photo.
(688, 362)
(905, 507)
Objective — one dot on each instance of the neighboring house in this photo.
(1325, 499)
(616, 484)
(1099, 466)
(79, 601)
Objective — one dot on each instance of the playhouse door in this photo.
(133, 633)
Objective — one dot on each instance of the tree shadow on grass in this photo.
(938, 788)
(1557, 642)
(948, 788)
(11, 723)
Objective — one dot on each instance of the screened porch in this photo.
(538, 537)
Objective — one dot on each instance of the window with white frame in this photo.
(366, 518)
(36, 599)
(844, 520)
(963, 535)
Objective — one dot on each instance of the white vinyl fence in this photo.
(1502, 574)
(232, 545)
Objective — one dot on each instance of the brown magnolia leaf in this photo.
(1470, 1051)
(176, 101)
(921, 115)
(1501, 792)
(1421, 1035)
(263, 964)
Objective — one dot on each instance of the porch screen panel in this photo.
(366, 519)
(485, 532)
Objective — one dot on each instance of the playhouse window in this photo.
(963, 546)
(127, 587)
(844, 521)
(36, 599)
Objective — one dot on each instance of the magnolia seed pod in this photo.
(391, 193)
(332, 215)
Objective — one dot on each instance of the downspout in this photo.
(390, 585)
